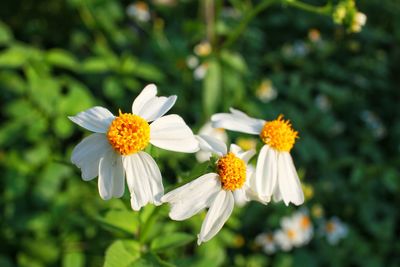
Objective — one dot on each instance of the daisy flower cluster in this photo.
(297, 230)
(116, 152)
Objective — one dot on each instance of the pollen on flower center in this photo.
(279, 134)
(128, 133)
(232, 171)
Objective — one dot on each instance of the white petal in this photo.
(96, 119)
(150, 107)
(86, 155)
(110, 172)
(157, 107)
(266, 173)
(171, 133)
(148, 93)
(211, 144)
(240, 196)
(144, 179)
(288, 180)
(193, 197)
(237, 121)
(217, 215)
(244, 155)
(218, 133)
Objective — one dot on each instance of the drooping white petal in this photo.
(193, 197)
(151, 107)
(148, 93)
(111, 173)
(86, 155)
(219, 212)
(288, 180)
(171, 133)
(266, 173)
(240, 196)
(237, 121)
(244, 155)
(144, 179)
(96, 119)
(211, 144)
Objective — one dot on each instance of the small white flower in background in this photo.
(200, 72)
(323, 102)
(359, 21)
(267, 242)
(266, 91)
(192, 61)
(217, 133)
(335, 230)
(203, 49)
(314, 35)
(276, 175)
(115, 149)
(215, 191)
(139, 11)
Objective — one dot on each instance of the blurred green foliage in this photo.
(340, 90)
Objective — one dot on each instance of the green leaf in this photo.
(124, 220)
(234, 61)
(212, 87)
(122, 253)
(5, 34)
(73, 259)
(149, 260)
(61, 58)
(171, 240)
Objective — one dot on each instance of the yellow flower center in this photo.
(232, 171)
(279, 134)
(305, 222)
(291, 234)
(128, 133)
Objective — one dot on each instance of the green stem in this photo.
(243, 24)
(323, 10)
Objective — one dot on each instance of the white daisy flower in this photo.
(219, 134)
(335, 230)
(115, 149)
(275, 172)
(267, 242)
(215, 191)
(302, 222)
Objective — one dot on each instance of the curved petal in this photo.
(244, 155)
(150, 107)
(240, 196)
(144, 179)
(148, 93)
(288, 180)
(86, 155)
(171, 133)
(237, 121)
(211, 144)
(217, 215)
(111, 173)
(193, 197)
(266, 173)
(96, 119)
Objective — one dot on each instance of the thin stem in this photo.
(243, 24)
(323, 10)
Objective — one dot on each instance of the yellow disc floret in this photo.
(128, 133)
(279, 134)
(232, 171)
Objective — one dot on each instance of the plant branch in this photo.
(323, 10)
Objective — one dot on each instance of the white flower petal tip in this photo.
(96, 119)
(211, 144)
(150, 107)
(86, 155)
(288, 181)
(219, 212)
(144, 180)
(193, 197)
(242, 154)
(237, 121)
(171, 133)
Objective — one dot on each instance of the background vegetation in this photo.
(340, 90)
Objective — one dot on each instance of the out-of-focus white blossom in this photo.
(266, 91)
(139, 11)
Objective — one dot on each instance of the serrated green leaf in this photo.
(122, 253)
(171, 240)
